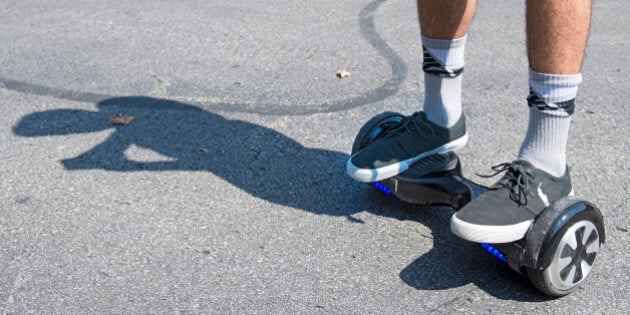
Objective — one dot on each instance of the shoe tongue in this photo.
(419, 115)
(417, 121)
(524, 163)
(504, 182)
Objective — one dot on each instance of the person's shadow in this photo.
(259, 160)
(272, 167)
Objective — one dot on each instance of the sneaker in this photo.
(505, 212)
(414, 138)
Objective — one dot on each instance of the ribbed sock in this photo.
(443, 66)
(551, 104)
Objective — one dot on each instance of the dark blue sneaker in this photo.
(505, 212)
(412, 139)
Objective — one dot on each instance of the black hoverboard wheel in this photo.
(559, 250)
(374, 128)
(567, 237)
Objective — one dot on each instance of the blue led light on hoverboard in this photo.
(492, 250)
(382, 188)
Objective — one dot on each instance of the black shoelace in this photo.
(412, 123)
(516, 180)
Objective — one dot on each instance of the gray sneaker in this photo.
(505, 212)
(412, 139)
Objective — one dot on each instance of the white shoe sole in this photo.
(374, 175)
(490, 233)
(494, 234)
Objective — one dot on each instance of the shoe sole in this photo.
(367, 175)
(494, 234)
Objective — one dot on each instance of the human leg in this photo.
(556, 40)
(445, 19)
(444, 25)
(441, 128)
(557, 32)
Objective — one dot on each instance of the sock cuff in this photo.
(554, 88)
(546, 140)
(435, 43)
(448, 52)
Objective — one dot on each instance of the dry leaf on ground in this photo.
(123, 120)
(342, 74)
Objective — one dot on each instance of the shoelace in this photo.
(411, 123)
(516, 179)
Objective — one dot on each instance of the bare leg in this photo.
(557, 31)
(556, 34)
(445, 19)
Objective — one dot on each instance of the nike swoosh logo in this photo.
(543, 196)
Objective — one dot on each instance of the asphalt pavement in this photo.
(227, 192)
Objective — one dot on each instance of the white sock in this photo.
(551, 104)
(443, 65)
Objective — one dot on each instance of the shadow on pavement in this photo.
(259, 160)
(273, 167)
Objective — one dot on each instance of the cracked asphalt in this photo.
(227, 193)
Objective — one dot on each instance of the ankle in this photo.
(553, 166)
